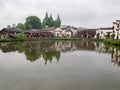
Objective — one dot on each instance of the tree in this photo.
(8, 26)
(20, 26)
(20, 36)
(27, 26)
(48, 21)
(107, 36)
(57, 22)
(112, 36)
(33, 22)
(46, 15)
(51, 21)
(45, 20)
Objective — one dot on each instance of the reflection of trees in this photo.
(38, 49)
(32, 50)
(12, 47)
(50, 50)
(32, 54)
(49, 55)
(8, 47)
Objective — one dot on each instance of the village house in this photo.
(103, 33)
(73, 30)
(85, 34)
(29, 34)
(65, 31)
(116, 29)
(58, 32)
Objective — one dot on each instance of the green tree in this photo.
(107, 36)
(20, 36)
(51, 21)
(45, 20)
(48, 21)
(33, 22)
(20, 26)
(112, 36)
(27, 26)
(57, 22)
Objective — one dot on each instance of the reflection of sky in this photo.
(78, 70)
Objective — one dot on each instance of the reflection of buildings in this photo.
(50, 50)
(100, 47)
(65, 46)
(115, 56)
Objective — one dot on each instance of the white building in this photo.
(65, 31)
(58, 32)
(116, 29)
(102, 32)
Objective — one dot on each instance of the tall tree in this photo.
(33, 22)
(45, 20)
(51, 21)
(57, 22)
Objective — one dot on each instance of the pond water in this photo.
(59, 65)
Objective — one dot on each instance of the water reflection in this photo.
(115, 54)
(50, 50)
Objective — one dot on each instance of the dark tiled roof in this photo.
(91, 29)
(25, 31)
(106, 28)
(118, 20)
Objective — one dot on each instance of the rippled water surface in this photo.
(59, 65)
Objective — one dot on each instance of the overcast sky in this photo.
(80, 13)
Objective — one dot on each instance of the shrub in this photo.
(20, 36)
(112, 36)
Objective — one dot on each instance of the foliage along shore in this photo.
(52, 39)
(112, 42)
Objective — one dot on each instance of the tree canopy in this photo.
(48, 21)
(57, 22)
(33, 22)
